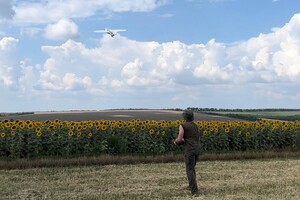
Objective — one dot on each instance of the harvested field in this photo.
(250, 179)
(114, 115)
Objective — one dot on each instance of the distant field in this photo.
(280, 115)
(262, 113)
(114, 115)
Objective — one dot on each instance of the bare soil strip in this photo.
(114, 115)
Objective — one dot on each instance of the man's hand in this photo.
(178, 143)
(174, 142)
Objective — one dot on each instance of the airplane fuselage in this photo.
(112, 34)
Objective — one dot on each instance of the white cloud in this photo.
(120, 66)
(8, 69)
(268, 58)
(7, 44)
(52, 11)
(64, 29)
(134, 74)
(72, 82)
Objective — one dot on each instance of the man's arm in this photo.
(179, 138)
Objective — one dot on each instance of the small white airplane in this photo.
(111, 32)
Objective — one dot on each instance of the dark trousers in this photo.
(191, 159)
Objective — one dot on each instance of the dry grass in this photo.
(244, 179)
(121, 160)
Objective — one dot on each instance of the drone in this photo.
(111, 32)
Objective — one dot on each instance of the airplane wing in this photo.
(100, 31)
(118, 30)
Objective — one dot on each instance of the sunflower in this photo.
(14, 127)
(38, 129)
(39, 133)
(30, 125)
(51, 127)
(120, 125)
(103, 128)
(248, 134)
(7, 124)
(151, 131)
(71, 133)
(78, 133)
(38, 124)
(3, 134)
(22, 125)
(12, 133)
(90, 124)
(227, 130)
(90, 134)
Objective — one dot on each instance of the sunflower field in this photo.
(34, 139)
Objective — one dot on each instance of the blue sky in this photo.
(174, 54)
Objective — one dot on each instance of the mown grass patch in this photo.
(240, 179)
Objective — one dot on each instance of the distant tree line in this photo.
(16, 113)
(239, 109)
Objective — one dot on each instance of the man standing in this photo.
(189, 136)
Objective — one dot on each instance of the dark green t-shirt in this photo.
(191, 137)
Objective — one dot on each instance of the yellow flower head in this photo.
(12, 133)
(7, 124)
(103, 127)
(14, 127)
(71, 133)
(78, 133)
(227, 130)
(39, 133)
(151, 131)
(3, 134)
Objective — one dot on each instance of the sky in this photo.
(174, 54)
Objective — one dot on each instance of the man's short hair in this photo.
(188, 115)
